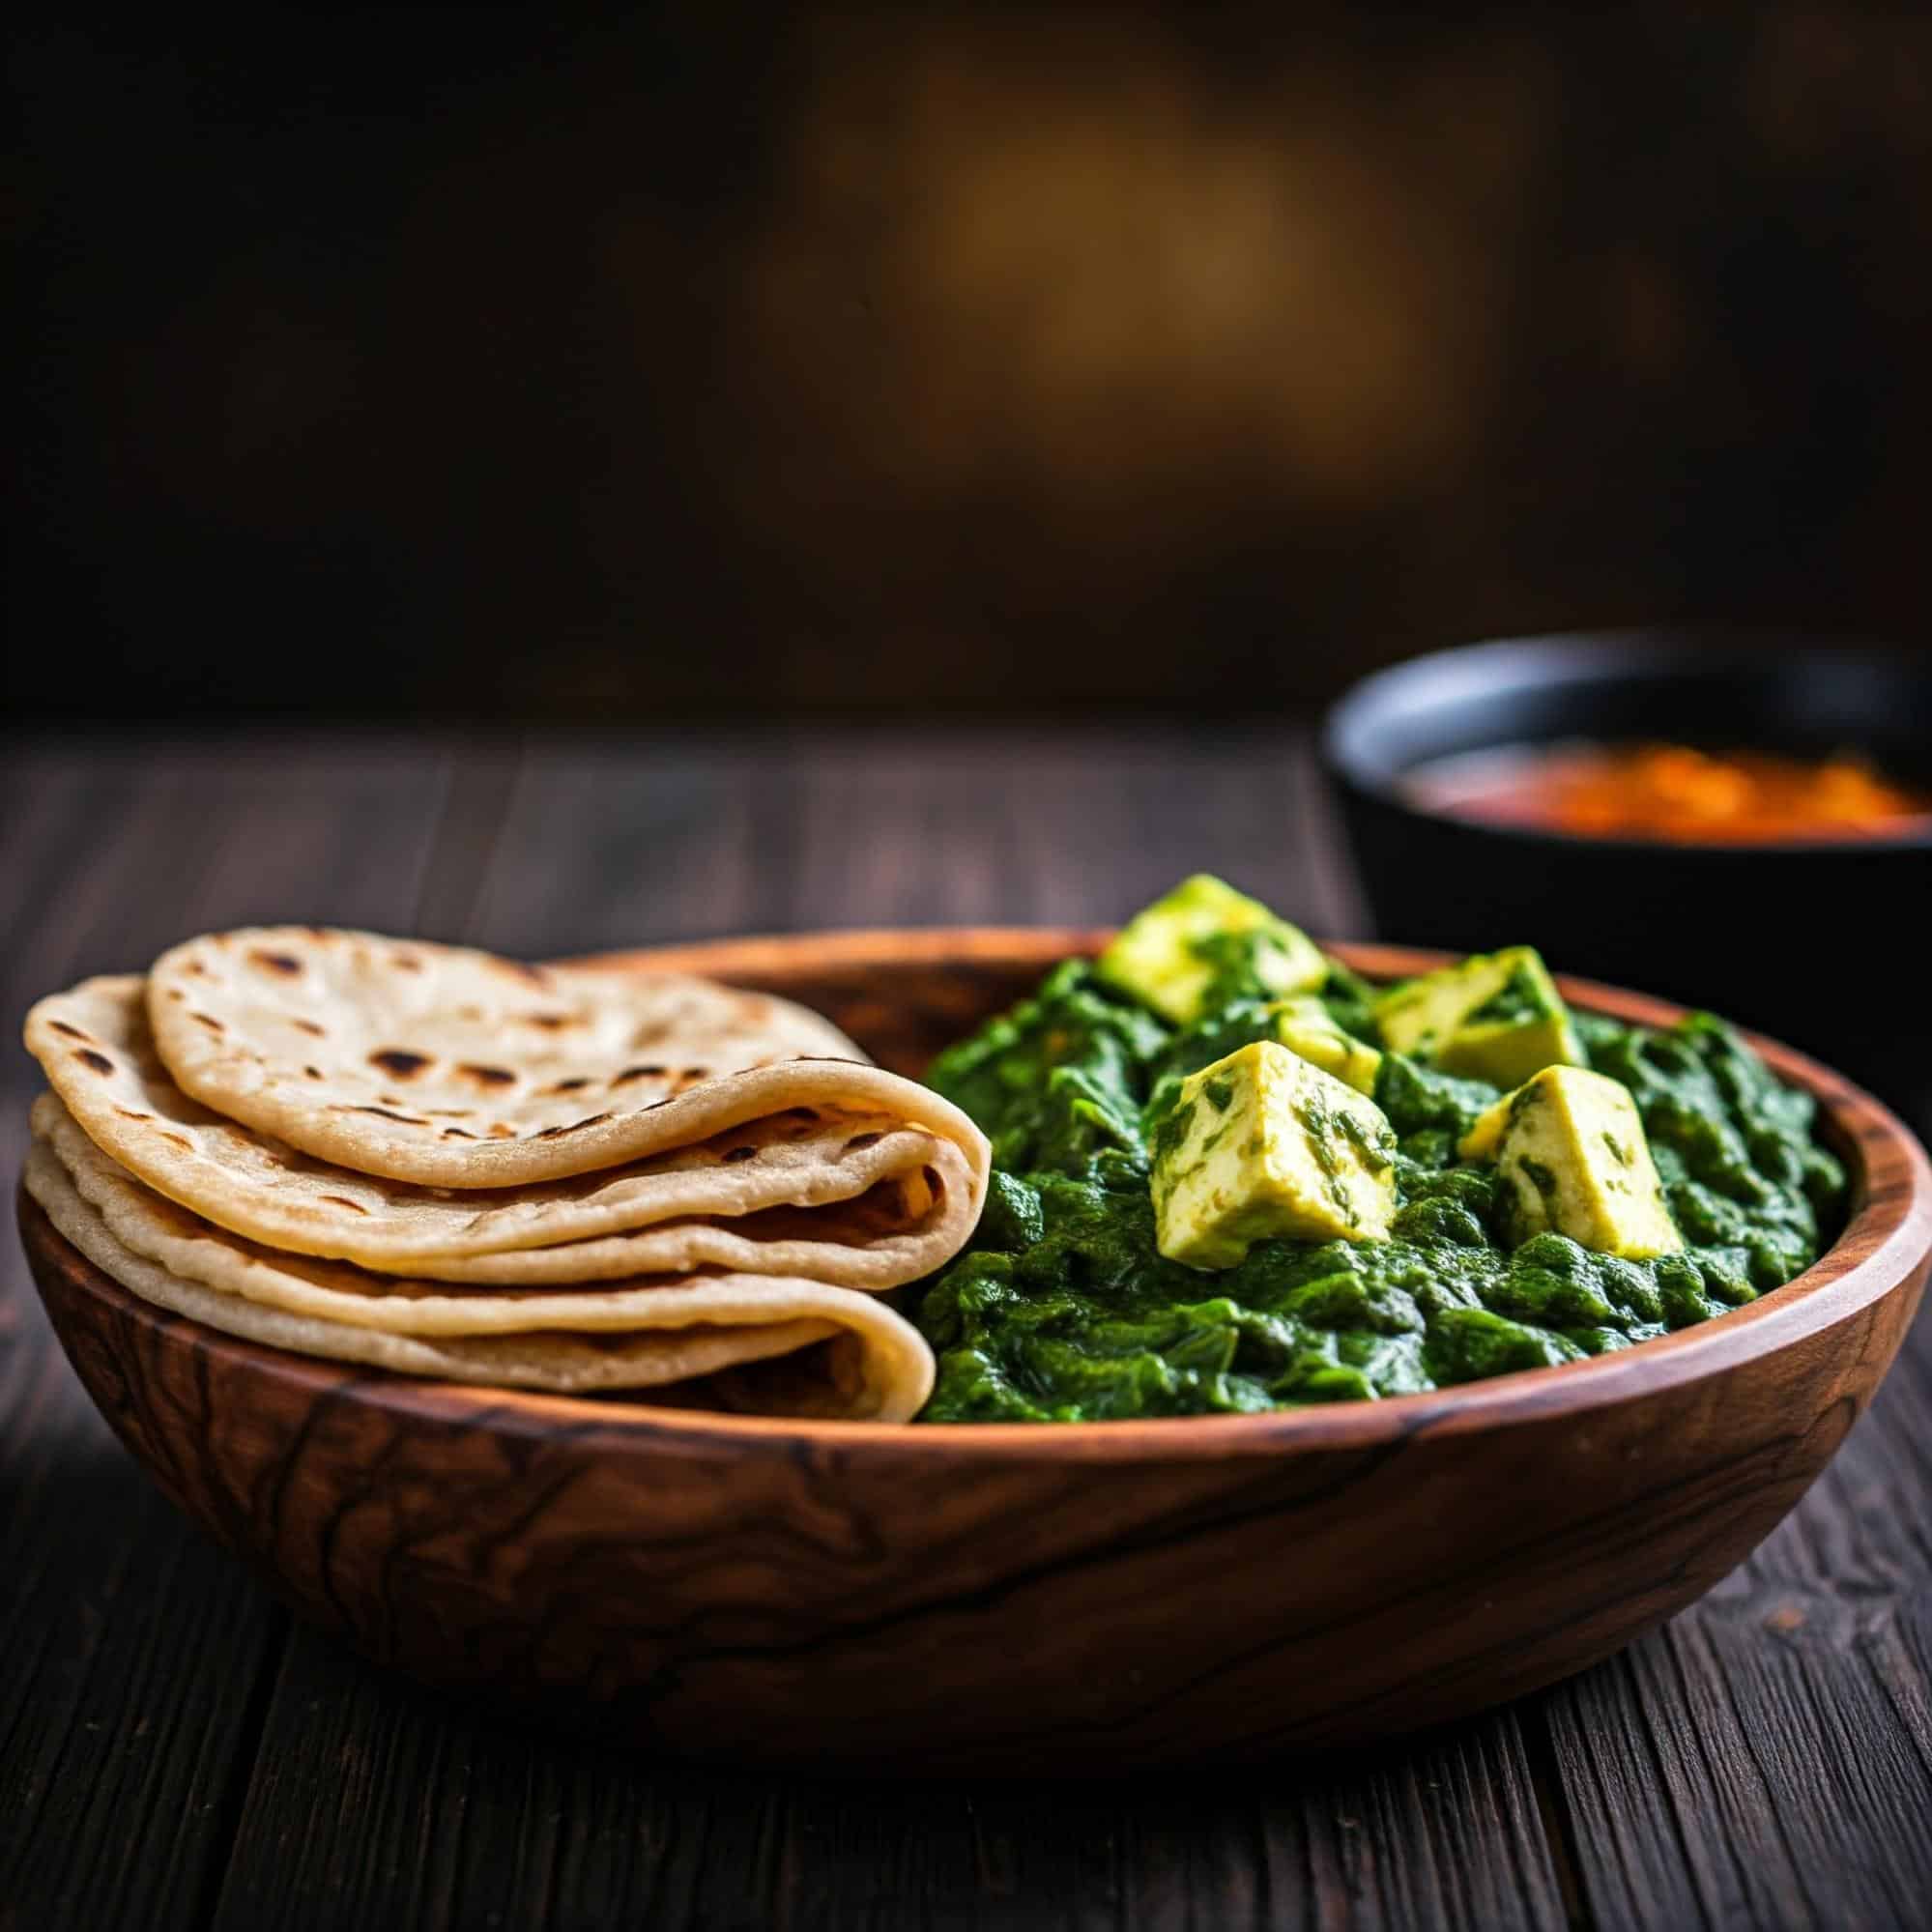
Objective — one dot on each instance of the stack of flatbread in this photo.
(438, 1162)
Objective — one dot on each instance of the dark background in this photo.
(461, 362)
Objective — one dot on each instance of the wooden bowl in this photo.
(1017, 1599)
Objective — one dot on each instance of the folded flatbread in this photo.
(832, 1170)
(871, 1364)
(454, 1068)
(427, 1159)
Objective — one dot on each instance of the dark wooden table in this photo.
(175, 1752)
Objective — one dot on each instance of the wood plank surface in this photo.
(170, 1754)
(137, 1657)
(624, 842)
(374, 1801)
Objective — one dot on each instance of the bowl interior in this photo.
(906, 994)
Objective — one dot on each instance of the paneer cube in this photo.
(1497, 1016)
(1303, 1025)
(1264, 1144)
(1204, 934)
(1571, 1153)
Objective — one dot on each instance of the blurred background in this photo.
(452, 363)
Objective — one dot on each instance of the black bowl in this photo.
(1820, 941)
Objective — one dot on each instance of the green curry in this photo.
(1069, 1305)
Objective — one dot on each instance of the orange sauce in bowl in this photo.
(1674, 793)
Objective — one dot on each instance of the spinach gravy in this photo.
(1232, 1176)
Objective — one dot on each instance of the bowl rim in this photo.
(1582, 657)
(1886, 1241)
